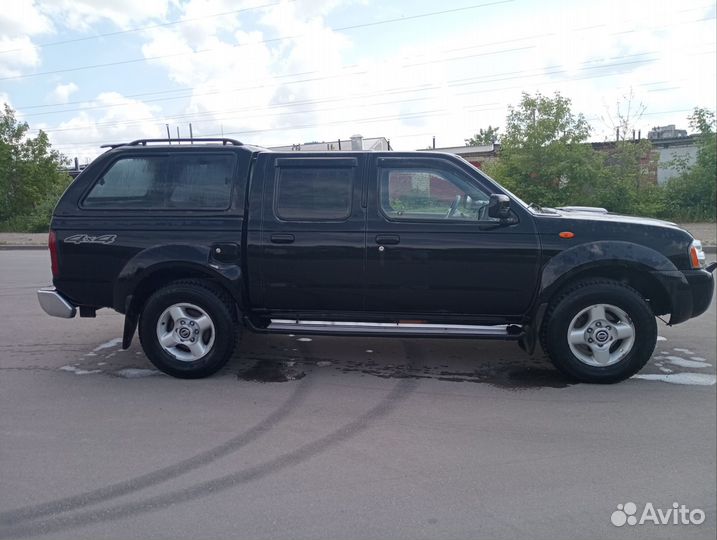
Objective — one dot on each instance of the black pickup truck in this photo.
(193, 242)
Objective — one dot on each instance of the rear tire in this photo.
(188, 329)
(599, 331)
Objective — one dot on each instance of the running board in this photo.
(339, 328)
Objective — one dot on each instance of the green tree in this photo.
(31, 179)
(543, 157)
(692, 195)
(484, 137)
(627, 183)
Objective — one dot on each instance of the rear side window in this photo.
(314, 194)
(200, 182)
(130, 183)
(189, 182)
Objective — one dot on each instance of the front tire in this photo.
(188, 329)
(599, 331)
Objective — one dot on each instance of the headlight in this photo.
(697, 256)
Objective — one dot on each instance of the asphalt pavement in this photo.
(341, 438)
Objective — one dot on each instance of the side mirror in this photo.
(499, 206)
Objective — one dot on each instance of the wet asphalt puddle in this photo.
(282, 360)
(500, 372)
(109, 358)
(269, 371)
(506, 373)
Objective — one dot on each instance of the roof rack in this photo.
(143, 142)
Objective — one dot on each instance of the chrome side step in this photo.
(340, 328)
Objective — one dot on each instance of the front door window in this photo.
(430, 194)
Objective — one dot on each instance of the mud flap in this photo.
(130, 324)
(529, 338)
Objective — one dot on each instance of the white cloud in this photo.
(83, 14)
(118, 119)
(22, 17)
(242, 75)
(16, 54)
(62, 92)
(201, 25)
(19, 21)
(320, 84)
(5, 99)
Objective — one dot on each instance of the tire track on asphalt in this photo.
(399, 393)
(170, 472)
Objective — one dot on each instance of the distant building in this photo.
(356, 142)
(476, 155)
(649, 164)
(683, 148)
(666, 132)
(658, 162)
(664, 152)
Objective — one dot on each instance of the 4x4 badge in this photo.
(87, 239)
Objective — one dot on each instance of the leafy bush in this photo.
(545, 159)
(31, 180)
(692, 195)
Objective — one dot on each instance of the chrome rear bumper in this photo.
(53, 303)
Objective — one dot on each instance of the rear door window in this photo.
(314, 194)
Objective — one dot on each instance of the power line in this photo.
(270, 40)
(247, 88)
(359, 121)
(521, 74)
(353, 121)
(142, 28)
(410, 115)
(215, 92)
(460, 83)
(192, 88)
(224, 117)
(215, 15)
(510, 75)
(315, 79)
(274, 77)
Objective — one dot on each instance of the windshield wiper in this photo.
(535, 206)
(542, 209)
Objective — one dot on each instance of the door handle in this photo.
(282, 238)
(387, 239)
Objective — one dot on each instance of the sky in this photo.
(280, 72)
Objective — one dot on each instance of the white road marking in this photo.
(79, 371)
(683, 362)
(697, 379)
(111, 343)
(136, 373)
